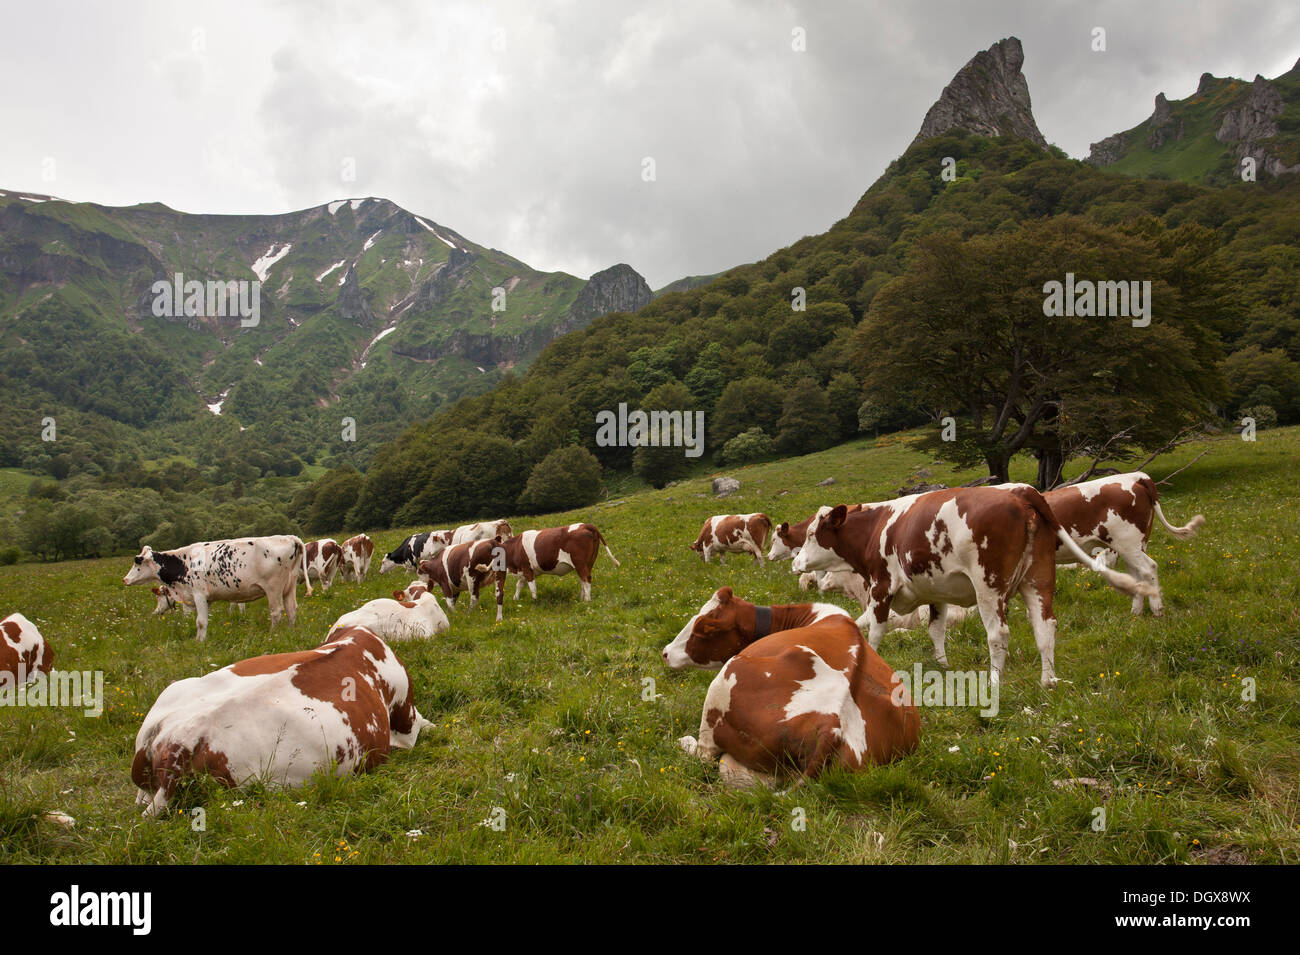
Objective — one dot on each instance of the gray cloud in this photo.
(524, 126)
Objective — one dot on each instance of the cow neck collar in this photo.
(762, 621)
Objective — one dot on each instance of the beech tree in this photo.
(965, 325)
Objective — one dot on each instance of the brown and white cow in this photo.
(1118, 513)
(788, 538)
(398, 618)
(279, 718)
(966, 546)
(464, 567)
(233, 570)
(733, 534)
(24, 653)
(553, 550)
(323, 560)
(852, 585)
(807, 695)
(355, 562)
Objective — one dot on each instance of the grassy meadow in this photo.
(546, 716)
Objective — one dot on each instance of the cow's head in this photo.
(155, 565)
(412, 591)
(391, 561)
(819, 550)
(166, 600)
(722, 628)
(784, 545)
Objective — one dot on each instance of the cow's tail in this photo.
(300, 562)
(1122, 582)
(1187, 531)
(601, 537)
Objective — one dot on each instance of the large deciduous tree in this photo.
(965, 326)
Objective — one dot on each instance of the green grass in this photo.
(543, 715)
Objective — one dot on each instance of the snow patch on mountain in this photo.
(262, 267)
(330, 269)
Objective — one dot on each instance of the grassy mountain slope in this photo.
(545, 715)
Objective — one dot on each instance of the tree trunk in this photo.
(1049, 468)
(999, 463)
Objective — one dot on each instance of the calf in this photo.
(323, 560)
(1118, 513)
(168, 599)
(280, 718)
(554, 550)
(357, 551)
(234, 570)
(399, 618)
(24, 653)
(464, 567)
(733, 533)
(414, 549)
(965, 546)
(807, 695)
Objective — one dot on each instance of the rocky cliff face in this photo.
(989, 96)
(1245, 127)
(617, 289)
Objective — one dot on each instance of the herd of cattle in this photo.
(798, 687)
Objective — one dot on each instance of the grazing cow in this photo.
(554, 550)
(279, 718)
(802, 692)
(170, 600)
(482, 531)
(464, 567)
(966, 546)
(398, 618)
(357, 551)
(324, 557)
(788, 538)
(24, 653)
(235, 570)
(414, 549)
(734, 534)
(1118, 513)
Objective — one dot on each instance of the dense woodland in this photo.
(925, 302)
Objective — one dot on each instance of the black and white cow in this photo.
(414, 549)
(233, 570)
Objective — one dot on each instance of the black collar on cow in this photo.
(762, 622)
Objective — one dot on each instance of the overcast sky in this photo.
(524, 125)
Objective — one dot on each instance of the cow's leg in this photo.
(731, 772)
(201, 615)
(757, 552)
(993, 611)
(1145, 569)
(938, 627)
(1038, 601)
(519, 586)
(585, 577)
(876, 621)
(500, 584)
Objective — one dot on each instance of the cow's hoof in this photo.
(1050, 683)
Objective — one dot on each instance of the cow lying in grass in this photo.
(799, 690)
(341, 707)
(24, 653)
(398, 618)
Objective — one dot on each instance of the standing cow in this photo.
(234, 570)
(414, 549)
(553, 550)
(966, 546)
(799, 690)
(357, 551)
(279, 718)
(1118, 513)
(733, 534)
(482, 531)
(464, 567)
(323, 560)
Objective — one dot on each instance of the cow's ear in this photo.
(837, 515)
(397, 595)
(156, 591)
(783, 528)
(724, 595)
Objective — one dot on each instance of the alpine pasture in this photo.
(555, 735)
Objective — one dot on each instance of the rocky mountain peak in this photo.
(619, 288)
(989, 96)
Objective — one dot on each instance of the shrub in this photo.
(566, 478)
(752, 445)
